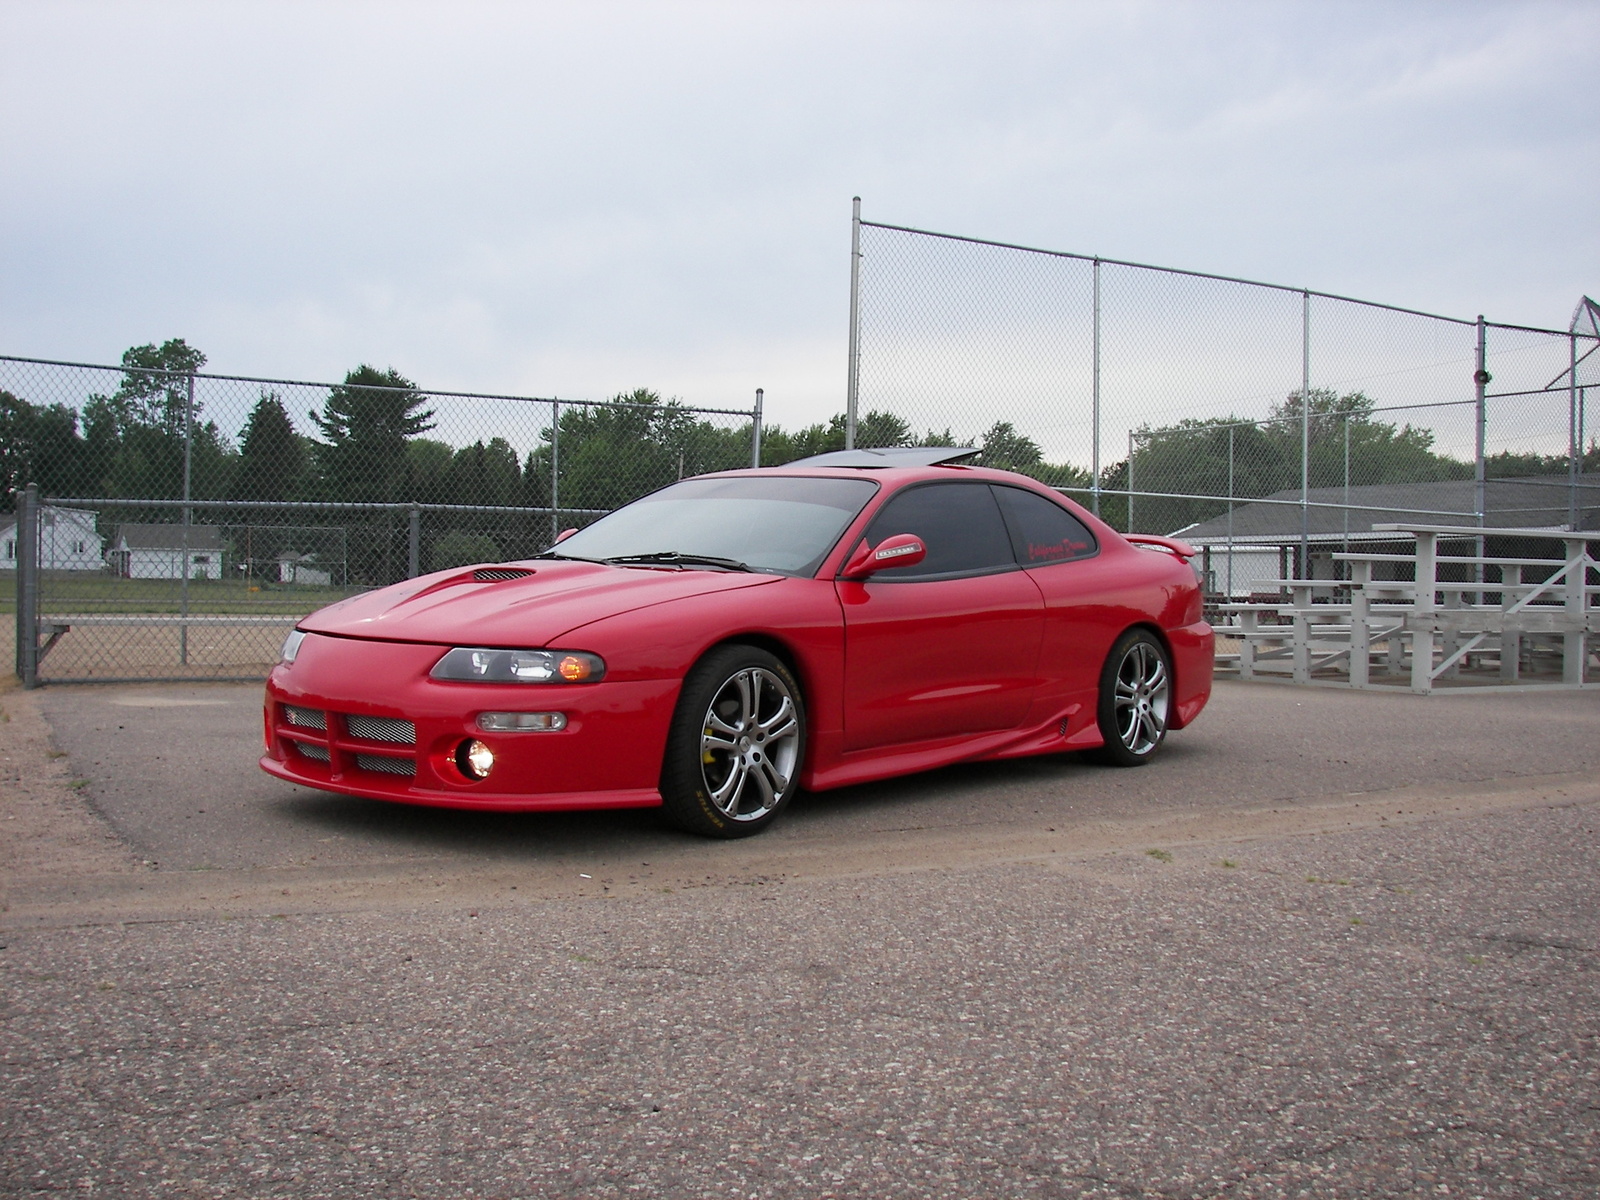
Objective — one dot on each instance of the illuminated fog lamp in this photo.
(475, 759)
(522, 722)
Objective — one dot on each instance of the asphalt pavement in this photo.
(1332, 944)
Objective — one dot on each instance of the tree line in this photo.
(372, 444)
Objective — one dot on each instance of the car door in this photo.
(1084, 609)
(949, 646)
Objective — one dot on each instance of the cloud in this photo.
(580, 198)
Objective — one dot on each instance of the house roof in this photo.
(168, 537)
(1522, 503)
(48, 512)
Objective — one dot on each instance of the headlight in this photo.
(291, 645)
(467, 665)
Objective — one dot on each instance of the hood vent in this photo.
(499, 574)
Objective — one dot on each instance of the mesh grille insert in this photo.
(496, 574)
(385, 765)
(382, 729)
(314, 753)
(306, 718)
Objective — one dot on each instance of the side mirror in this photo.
(565, 534)
(901, 550)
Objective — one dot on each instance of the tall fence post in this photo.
(1130, 481)
(28, 586)
(1305, 436)
(1345, 545)
(555, 470)
(755, 431)
(414, 544)
(1230, 512)
(1094, 482)
(1574, 444)
(1480, 380)
(188, 518)
(853, 383)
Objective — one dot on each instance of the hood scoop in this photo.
(499, 574)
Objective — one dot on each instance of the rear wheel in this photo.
(1135, 698)
(734, 749)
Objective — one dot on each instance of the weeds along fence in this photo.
(175, 525)
(1269, 425)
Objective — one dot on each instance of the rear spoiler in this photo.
(1171, 545)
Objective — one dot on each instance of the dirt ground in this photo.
(1333, 944)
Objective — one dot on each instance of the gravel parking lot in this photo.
(1334, 944)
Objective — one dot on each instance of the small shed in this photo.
(67, 541)
(167, 552)
(302, 569)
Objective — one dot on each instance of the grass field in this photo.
(89, 592)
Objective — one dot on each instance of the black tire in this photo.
(1135, 699)
(736, 744)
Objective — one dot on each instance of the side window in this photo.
(958, 522)
(1043, 532)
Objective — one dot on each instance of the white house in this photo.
(160, 551)
(302, 569)
(67, 541)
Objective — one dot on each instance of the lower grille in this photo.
(306, 718)
(308, 750)
(382, 729)
(385, 765)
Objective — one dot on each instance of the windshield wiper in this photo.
(675, 558)
(567, 557)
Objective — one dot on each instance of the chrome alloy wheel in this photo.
(749, 744)
(1142, 694)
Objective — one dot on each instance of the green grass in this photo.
(88, 592)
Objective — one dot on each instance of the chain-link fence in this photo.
(183, 521)
(1268, 425)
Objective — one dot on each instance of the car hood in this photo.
(472, 607)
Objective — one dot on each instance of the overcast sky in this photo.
(581, 199)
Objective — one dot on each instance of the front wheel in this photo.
(1135, 698)
(734, 749)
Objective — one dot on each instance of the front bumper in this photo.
(364, 718)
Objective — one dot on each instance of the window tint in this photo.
(958, 522)
(1043, 532)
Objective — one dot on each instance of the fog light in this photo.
(475, 759)
(522, 722)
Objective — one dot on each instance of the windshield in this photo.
(784, 524)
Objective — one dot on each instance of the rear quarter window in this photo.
(1042, 531)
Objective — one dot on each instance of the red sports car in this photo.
(719, 644)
